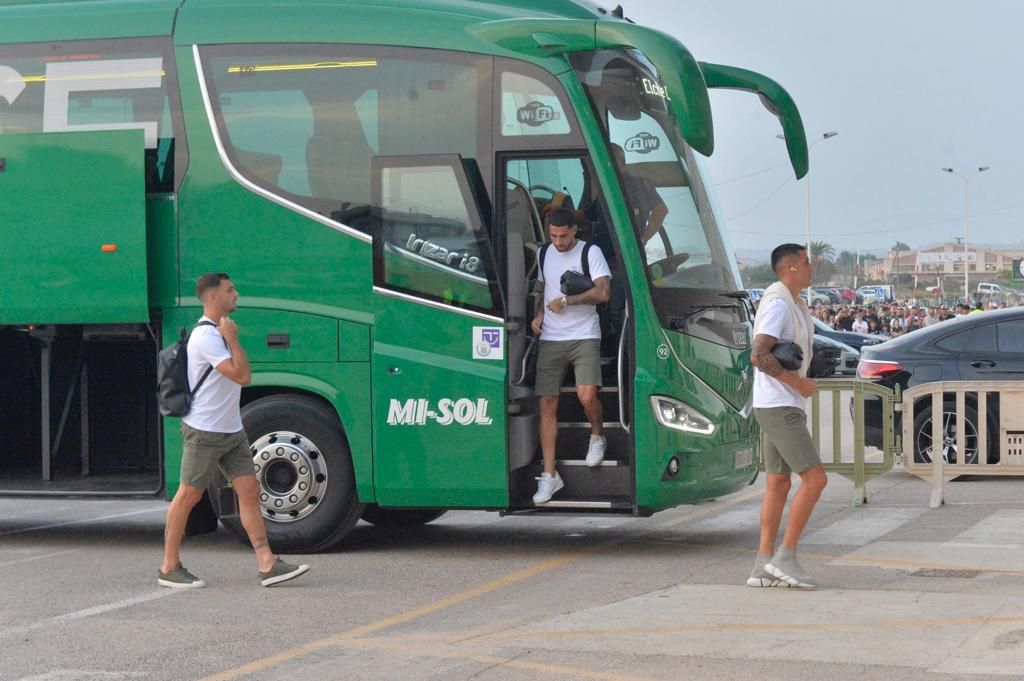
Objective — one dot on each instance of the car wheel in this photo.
(923, 445)
(398, 519)
(304, 469)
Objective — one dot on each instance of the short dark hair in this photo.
(561, 217)
(207, 281)
(784, 251)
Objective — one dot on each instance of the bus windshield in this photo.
(688, 263)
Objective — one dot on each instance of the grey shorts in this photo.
(204, 452)
(788, 446)
(554, 357)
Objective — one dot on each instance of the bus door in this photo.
(440, 366)
(533, 185)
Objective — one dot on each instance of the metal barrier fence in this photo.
(852, 463)
(971, 410)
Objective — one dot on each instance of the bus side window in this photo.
(328, 110)
(98, 85)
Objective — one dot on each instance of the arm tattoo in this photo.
(762, 357)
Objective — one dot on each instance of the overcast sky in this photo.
(910, 86)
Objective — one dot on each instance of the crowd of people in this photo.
(893, 319)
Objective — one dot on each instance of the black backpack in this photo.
(172, 393)
(584, 259)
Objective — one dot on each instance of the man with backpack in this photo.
(213, 436)
(570, 333)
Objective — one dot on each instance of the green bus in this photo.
(374, 179)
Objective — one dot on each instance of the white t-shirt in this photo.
(576, 322)
(860, 326)
(215, 407)
(774, 319)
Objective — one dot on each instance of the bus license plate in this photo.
(743, 458)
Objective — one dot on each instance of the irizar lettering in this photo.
(417, 412)
(427, 249)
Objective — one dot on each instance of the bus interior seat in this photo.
(264, 167)
(339, 168)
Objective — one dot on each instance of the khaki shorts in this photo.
(204, 452)
(554, 357)
(788, 446)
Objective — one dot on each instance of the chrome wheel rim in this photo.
(949, 447)
(292, 475)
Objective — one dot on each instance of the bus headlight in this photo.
(674, 414)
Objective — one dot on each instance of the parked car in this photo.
(977, 347)
(986, 289)
(832, 294)
(828, 354)
(755, 294)
(844, 365)
(851, 338)
(818, 297)
(877, 293)
(848, 295)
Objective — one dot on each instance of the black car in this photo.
(827, 357)
(978, 347)
(851, 338)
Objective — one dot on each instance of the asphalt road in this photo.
(905, 591)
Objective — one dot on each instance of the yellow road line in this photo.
(400, 618)
(435, 606)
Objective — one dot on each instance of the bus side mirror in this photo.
(774, 98)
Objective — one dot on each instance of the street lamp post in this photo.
(967, 180)
(807, 184)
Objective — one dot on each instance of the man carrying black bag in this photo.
(570, 333)
(780, 401)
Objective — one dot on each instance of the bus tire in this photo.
(304, 468)
(399, 519)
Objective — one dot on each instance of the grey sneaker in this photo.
(281, 572)
(786, 567)
(759, 578)
(180, 578)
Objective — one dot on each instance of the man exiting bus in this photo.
(780, 400)
(213, 436)
(570, 333)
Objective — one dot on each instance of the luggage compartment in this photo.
(77, 343)
(79, 409)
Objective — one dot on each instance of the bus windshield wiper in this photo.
(738, 295)
(680, 321)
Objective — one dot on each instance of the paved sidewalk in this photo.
(900, 585)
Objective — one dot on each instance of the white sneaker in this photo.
(595, 453)
(547, 486)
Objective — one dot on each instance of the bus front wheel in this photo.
(307, 491)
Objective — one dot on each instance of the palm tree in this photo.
(822, 256)
(822, 250)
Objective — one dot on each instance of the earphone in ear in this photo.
(792, 269)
